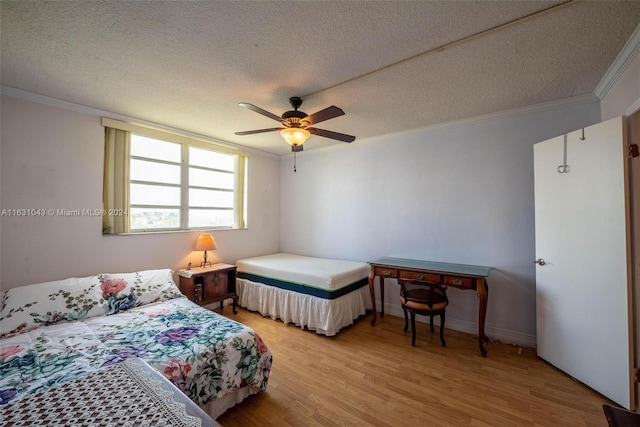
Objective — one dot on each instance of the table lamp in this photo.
(205, 243)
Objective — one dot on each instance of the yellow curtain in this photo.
(116, 181)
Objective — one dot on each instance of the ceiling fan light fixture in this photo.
(295, 136)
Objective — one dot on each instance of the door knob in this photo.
(540, 261)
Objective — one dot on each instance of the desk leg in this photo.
(372, 291)
(381, 295)
(483, 297)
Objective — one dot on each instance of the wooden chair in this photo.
(619, 417)
(424, 298)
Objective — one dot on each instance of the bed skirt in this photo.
(324, 316)
(218, 406)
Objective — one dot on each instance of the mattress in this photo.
(320, 277)
(320, 294)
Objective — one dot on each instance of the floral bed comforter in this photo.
(204, 354)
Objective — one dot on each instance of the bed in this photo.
(55, 332)
(324, 295)
(124, 394)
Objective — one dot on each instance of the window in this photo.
(156, 181)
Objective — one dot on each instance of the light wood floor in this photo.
(371, 376)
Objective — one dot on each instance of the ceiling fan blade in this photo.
(260, 111)
(333, 135)
(251, 132)
(322, 115)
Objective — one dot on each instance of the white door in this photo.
(583, 286)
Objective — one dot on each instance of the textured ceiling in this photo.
(187, 64)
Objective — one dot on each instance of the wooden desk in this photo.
(461, 276)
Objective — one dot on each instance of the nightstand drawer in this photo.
(460, 282)
(427, 277)
(386, 272)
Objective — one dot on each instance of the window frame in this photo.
(240, 159)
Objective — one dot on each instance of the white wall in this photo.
(51, 158)
(461, 193)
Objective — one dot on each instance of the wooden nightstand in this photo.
(206, 285)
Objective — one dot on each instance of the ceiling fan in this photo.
(297, 125)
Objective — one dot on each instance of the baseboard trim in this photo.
(497, 334)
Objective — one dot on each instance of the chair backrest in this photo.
(619, 417)
(423, 292)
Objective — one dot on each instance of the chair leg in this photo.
(406, 319)
(431, 323)
(413, 329)
(444, 344)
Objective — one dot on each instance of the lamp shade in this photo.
(295, 136)
(206, 242)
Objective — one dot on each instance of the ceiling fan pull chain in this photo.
(294, 162)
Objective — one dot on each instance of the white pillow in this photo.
(122, 291)
(31, 306)
(28, 307)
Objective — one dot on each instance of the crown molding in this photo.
(588, 98)
(622, 61)
(515, 112)
(90, 111)
(633, 108)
